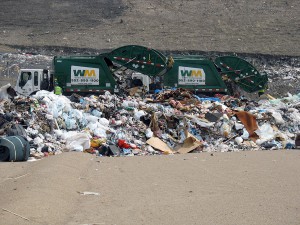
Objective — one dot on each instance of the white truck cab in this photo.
(144, 79)
(32, 80)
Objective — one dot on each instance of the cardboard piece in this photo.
(249, 121)
(155, 142)
(189, 144)
(270, 97)
(154, 124)
(133, 91)
(148, 100)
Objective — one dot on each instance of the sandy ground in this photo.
(255, 187)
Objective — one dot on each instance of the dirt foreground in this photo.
(256, 187)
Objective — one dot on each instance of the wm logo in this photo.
(84, 73)
(191, 73)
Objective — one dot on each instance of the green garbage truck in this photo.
(109, 72)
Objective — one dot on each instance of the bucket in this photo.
(14, 148)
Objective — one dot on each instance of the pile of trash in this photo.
(169, 122)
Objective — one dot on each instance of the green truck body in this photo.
(194, 73)
(83, 74)
(96, 74)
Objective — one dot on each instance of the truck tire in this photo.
(14, 148)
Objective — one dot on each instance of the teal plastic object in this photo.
(14, 148)
(242, 73)
(140, 59)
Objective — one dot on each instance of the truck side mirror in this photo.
(11, 92)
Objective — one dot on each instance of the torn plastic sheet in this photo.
(265, 133)
(199, 121)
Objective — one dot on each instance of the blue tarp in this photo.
(212, 99)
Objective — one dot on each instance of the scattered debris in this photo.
(6, 210)
(89, 193)
(169, 122)
(15, 178)
(7, 92)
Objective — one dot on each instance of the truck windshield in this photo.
(25, 76)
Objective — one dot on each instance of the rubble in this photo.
(170, 122)
(7, 92)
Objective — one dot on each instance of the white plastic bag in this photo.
(148, 133)
(138, 114)
(265, 132)
(278, 118)
(77, 142)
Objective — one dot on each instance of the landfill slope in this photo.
(267, 27)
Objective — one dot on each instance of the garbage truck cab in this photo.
(83, 75)
(32, 80)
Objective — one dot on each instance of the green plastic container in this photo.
(14, 148)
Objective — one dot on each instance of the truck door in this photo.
(45, 80)
(25, 83)
(31, 81)
(35, 81)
